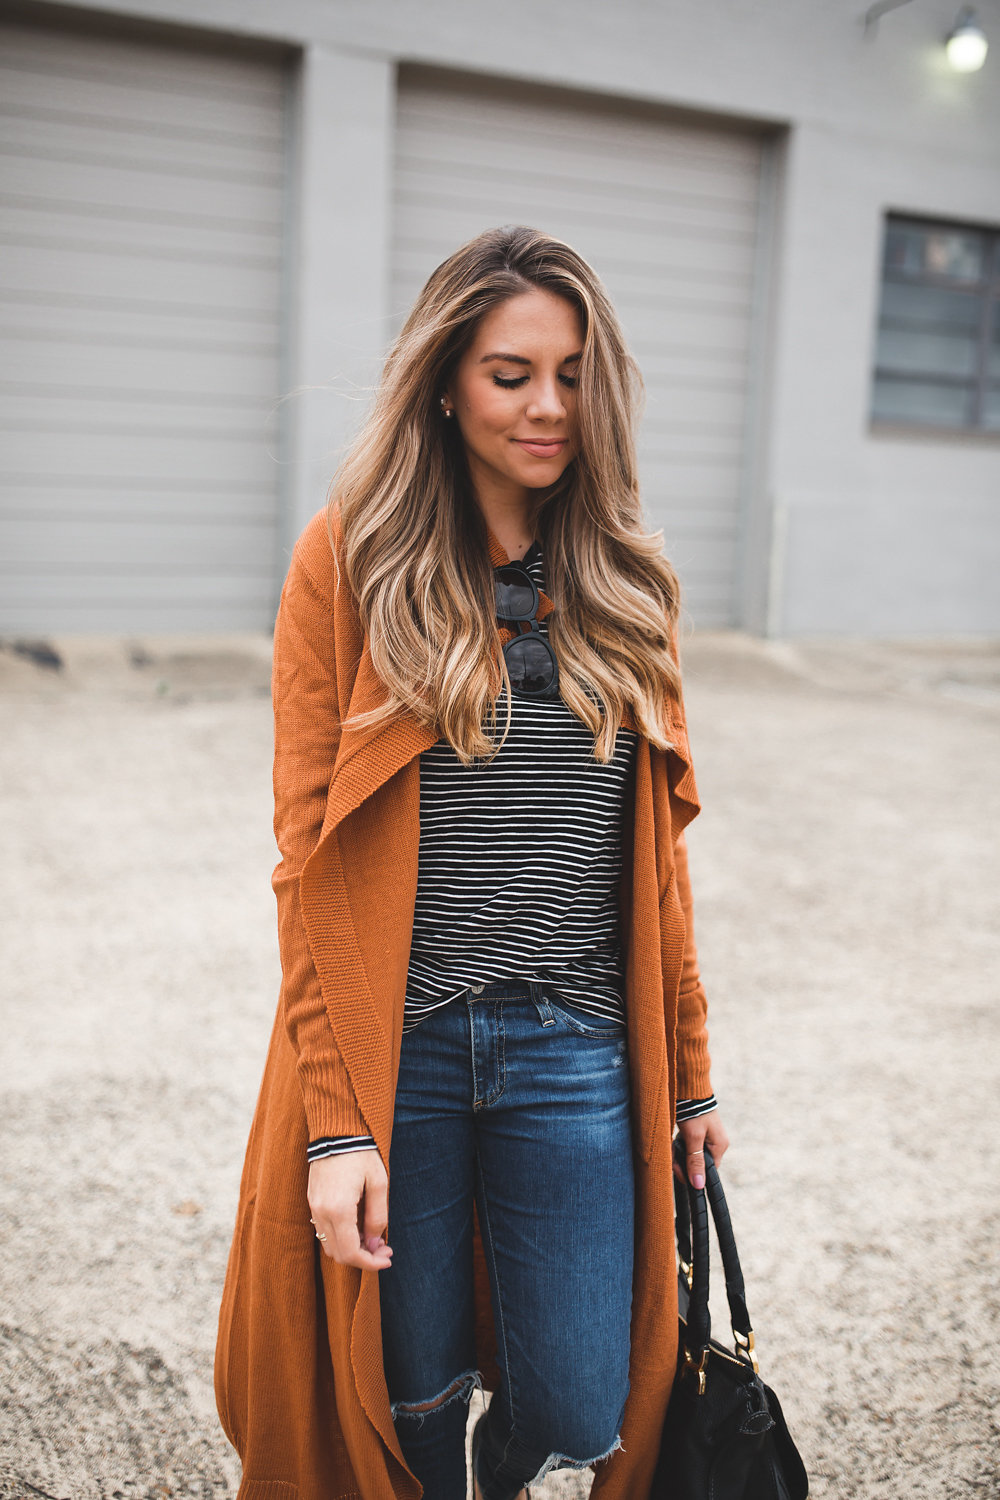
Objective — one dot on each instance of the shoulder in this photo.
(314, 560)
(318, 606)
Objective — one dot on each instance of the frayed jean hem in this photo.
(563, 1461)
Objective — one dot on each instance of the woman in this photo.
(490, 996)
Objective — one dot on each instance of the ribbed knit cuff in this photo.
(330, 1104)
(694, 1067)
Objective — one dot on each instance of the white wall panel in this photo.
(141, 244)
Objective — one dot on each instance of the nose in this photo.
(547, 403)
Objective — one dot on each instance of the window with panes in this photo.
(937, 361)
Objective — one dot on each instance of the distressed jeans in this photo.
(514, 1099)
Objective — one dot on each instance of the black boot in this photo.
(476, 1439)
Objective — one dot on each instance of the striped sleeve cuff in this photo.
(335, 1145)
(690, 1109)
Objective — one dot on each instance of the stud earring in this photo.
(449, 411)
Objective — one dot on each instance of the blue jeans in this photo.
(511, 1097)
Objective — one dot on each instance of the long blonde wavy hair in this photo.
(414, 542)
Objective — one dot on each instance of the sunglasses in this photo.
(531, 661)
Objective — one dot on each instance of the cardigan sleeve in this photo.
(306, 737)
(693, 1059)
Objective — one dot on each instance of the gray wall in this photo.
(846, 530)
(141, 319)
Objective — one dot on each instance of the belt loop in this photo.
(541, 1003)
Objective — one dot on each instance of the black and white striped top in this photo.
(518, 868)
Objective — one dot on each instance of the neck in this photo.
(512, 524)
(509, 508)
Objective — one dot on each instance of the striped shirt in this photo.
(518, 868)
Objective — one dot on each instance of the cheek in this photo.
(488, 413)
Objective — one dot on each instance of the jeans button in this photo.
(477, 989)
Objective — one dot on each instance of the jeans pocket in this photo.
(602, 1028)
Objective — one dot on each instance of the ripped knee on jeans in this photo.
(459, 1389)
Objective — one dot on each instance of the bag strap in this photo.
(735, 1287)
(697, 1205)
(682, 1225)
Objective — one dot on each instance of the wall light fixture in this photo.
(966, 43)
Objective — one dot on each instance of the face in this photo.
(514, 393)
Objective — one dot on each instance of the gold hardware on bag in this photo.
(691, 1363)
(747, 1348)
(688, 1272)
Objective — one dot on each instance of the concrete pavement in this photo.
(846, 869)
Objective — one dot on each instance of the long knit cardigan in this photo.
(299, 1379)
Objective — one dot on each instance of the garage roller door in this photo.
(141, 194)
(667, 213)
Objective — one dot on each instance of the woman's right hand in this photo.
(349, 1203)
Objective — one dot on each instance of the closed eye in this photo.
(570, 381)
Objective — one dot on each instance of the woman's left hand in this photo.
(694, 1133)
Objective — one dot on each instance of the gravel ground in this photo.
(846, 870)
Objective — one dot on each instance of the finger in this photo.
(374, 1229)
(696, 1167)
(350, 1248)
(342, 1243)
(352, 1253)
(368, 1260)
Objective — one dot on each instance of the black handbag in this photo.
(724, 1436)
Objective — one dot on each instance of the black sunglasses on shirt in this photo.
(531, 661)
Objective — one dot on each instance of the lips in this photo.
(539, 448)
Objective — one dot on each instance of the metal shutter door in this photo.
(667, 214)
(141, 187)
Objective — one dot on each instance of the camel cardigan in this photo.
(299, 1379)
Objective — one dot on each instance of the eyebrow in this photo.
(519, 359)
